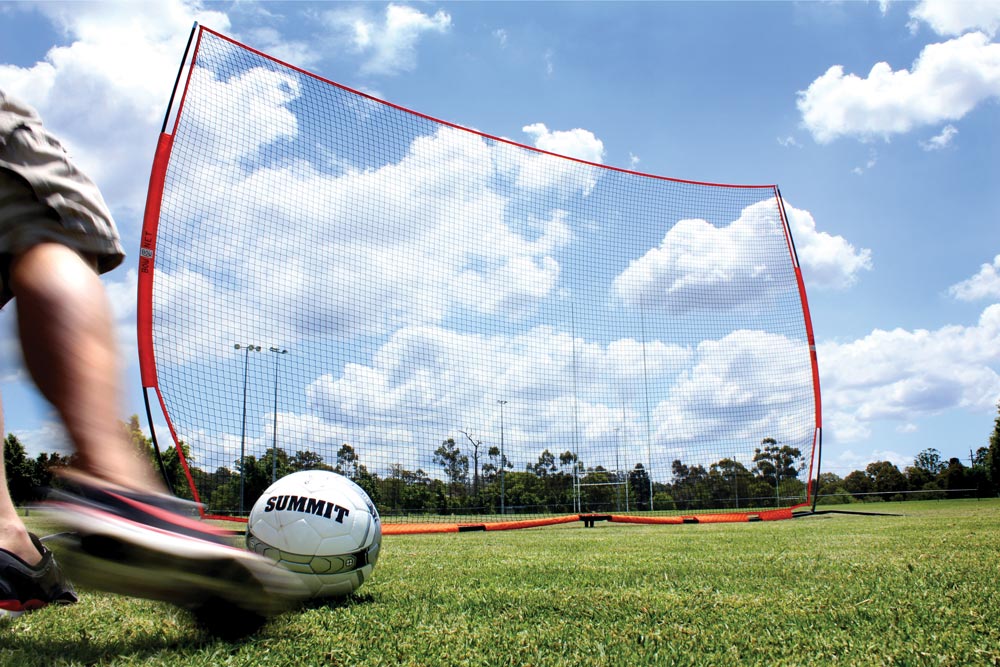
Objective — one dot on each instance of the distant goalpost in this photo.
(482, 334)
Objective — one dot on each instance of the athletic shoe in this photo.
(26, 587)
(149, 546)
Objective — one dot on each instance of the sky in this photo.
(877, 120)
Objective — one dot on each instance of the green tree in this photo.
(176, 477)
(492, 469)
(638, 481)
(347, 462)
(46, 465)
(929, 460)
(858, 484)
(992, 459)
(954, 478)
(729, 483)
(455, 465)
(926, 467)
(307, 460)
(600, 493)
(886, 478)
(405, 490)
(22, 480)
(545, 466)
(525, 492)
(691, 487)
(775, 463)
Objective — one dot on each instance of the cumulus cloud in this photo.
(699, 263)
(828, 260)
(565, 393)
(459, 251)
(272, 42)
(901, 375)
(945, 83)
(942, 140)
(761, 376)
(577, 143)
(389, 44)
(540, 172)
(466, 296)
(738, 264)
(983, 285)
(950, 18)
(105, 92)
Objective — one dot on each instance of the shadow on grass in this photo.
(26, 648)
(25, 643)
(339, 603)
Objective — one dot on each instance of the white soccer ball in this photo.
(321, 526)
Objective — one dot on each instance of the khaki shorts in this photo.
(44, 197)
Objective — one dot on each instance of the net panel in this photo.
(469, 328)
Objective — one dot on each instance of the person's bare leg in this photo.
(68, 339)
(13, 535)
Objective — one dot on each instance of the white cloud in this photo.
(105, 92)
(828, 260)
(761, 376)
(577, 143)
(954, 17)
(536, 172)
(869, 164)
(738, 264)
(942, 140)
(412, 337)
(945, 83)
(789, 141)
(389, 45)
(49, 436)
(418, 273)
(426, 382)
(983, 285)
(849, 460)
(271, 41)
(901, 375)
(501, 36)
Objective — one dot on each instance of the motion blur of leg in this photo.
(126, 534)
(67, 337)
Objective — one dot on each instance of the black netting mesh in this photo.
(463, 325)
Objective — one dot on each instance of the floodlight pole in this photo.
(274, 441)
(618, 469)
(502, 466)
(243, 429)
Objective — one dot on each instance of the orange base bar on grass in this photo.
(589, 519)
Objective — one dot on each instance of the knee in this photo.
(50, 274)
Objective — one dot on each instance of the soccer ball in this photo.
(321, 526)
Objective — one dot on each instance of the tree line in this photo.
(929, 476)
(559, 483)
(480, 480)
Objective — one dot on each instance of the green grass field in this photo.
(916, 589)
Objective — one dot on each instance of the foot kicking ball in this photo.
(320, 525)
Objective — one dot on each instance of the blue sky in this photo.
(877, 120)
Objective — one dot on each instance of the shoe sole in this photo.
(129, 558)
